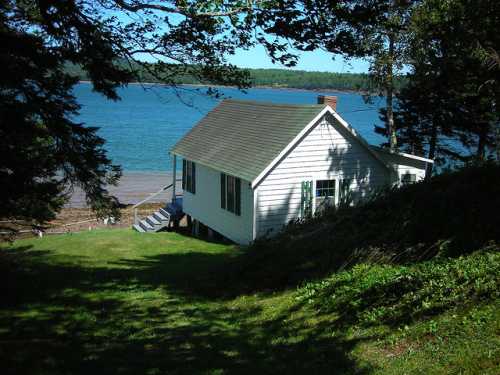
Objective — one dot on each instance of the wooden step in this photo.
(146, 226)
(138, 228)
(165, 212)
(153, 221)
(161, 218)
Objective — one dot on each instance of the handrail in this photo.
(166, 187)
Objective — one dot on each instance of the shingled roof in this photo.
(242, 138)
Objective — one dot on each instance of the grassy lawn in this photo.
(117, 301)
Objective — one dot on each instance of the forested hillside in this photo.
(309, 80)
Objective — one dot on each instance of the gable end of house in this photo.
(338, 122)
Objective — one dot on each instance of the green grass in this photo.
(117, 301)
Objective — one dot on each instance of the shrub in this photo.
(451, 215)
(396, 295)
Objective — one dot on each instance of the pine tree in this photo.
(375, 30)
(450, 103)
(44, 151)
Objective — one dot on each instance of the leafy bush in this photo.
(373, 294)
(453, 214)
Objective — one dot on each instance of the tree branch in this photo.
(137, 6)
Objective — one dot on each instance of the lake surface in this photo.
(141, 128)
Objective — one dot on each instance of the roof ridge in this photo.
(232, 139)
(273, 104)
(399, 153)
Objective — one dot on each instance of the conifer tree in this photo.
(449, 106)
(44, 151)
(374, 30)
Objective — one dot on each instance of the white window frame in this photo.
(338, 179)
(409, 175)
(325, 178)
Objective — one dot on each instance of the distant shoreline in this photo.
(333, 90)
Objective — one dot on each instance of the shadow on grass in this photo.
(154, 315)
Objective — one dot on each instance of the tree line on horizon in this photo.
(271, 77)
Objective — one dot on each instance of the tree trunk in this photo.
(481, 143)
(498, 140)
(391, 129)
(432, 152)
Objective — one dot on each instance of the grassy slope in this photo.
(454, 214)
(120, 302)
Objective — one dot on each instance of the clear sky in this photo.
(311, 61)
(256, 57)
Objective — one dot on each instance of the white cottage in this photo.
(251, 167)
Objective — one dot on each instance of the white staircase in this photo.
(161, 218)
(155, 222)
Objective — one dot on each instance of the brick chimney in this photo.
(328, 100)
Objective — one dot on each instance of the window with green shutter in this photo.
(230, 191)
(189, 176)
(184, 167)
(237, 198)
(223, 191)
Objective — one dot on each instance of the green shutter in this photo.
(345, 194)
(230, 181)
(306, 199)
(237, 209)
(223, 190)
(193, 179)
(184, 174)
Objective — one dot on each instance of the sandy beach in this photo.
(134, 187)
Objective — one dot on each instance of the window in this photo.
(325, 193)
(230, 193)
(408, 178)
(189, 176)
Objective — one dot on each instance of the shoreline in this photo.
(133, 187)
(334, 90)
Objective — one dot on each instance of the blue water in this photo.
(141, 128)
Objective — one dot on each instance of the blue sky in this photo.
(256, 57)
(311, 61)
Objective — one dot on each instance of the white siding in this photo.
(404, 165)
(326, 152)
(205, 206)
